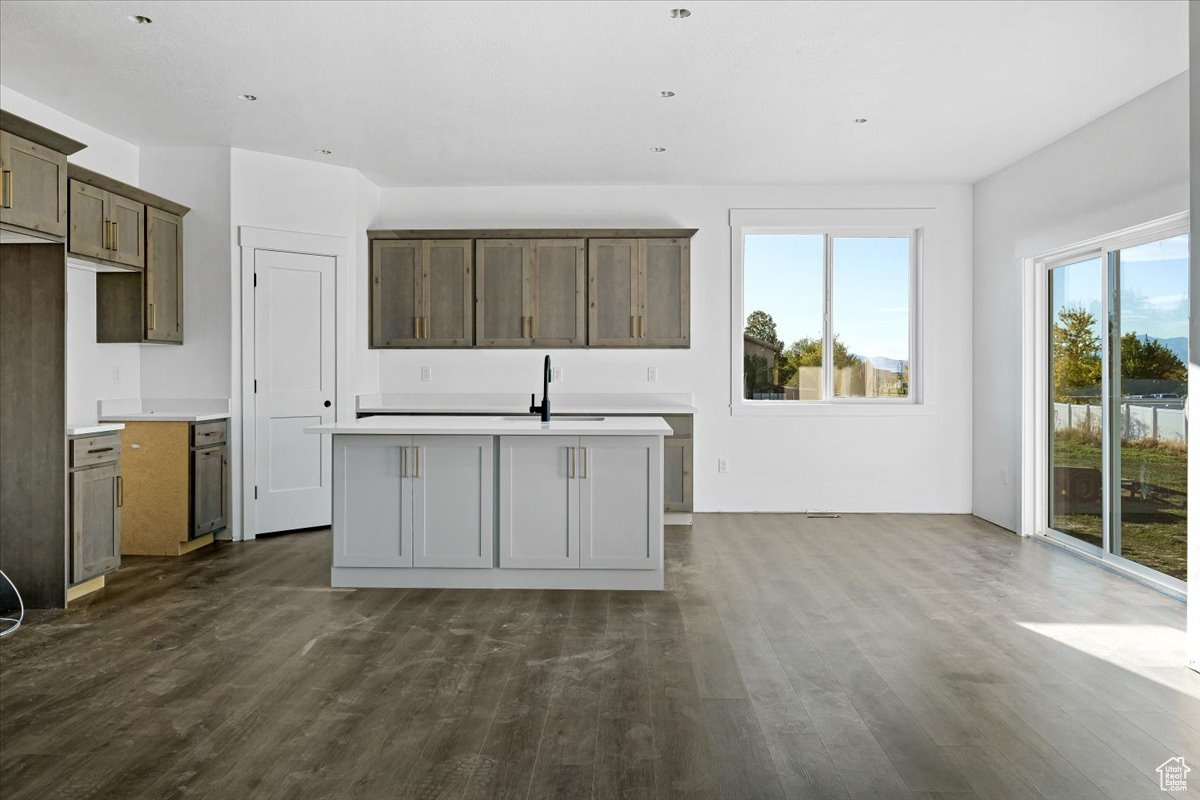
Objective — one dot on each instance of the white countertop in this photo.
(138, 409)
(529, 425)
(512, 403)
(95, 428)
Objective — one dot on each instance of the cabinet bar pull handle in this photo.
(106, 237)
(417, 455)
(101, 450)
(570, 462)
(633, 326)
(585, 460)
(153, 316)
(403, 462)
(116, 229)
(120, 491)
(416, 327)
(425, 325)
(6, 188)
(642, 326)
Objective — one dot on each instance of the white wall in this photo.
(94, 371)
(1128, 167)
(198, 177)
(827, 462)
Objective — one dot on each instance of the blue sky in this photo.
(1154, 288)
(783, 276)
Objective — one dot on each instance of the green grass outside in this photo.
(1154, 521)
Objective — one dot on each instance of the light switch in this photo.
(426, 373)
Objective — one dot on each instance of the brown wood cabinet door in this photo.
(89, 235)
(127, 231)
(613, 300)
(677, 473)
(209, 490)
(95, 522)
(559, 290)
(448, 284)
(396, 292)
(664, 293)
(33, 188)
(503, 292)
(164, 276)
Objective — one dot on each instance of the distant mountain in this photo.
(1176, 344)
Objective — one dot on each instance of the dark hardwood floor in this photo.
(891, 657)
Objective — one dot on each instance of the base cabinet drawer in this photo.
(96, 497)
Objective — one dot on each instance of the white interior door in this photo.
(294, 388)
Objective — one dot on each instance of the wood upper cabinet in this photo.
(504, 292)
(559, 293)
(421, 293)
(33, 186)
(639, 292)
(395, 293)
(164, 276)
(447, 284)
(106, 226)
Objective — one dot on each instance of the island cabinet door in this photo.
(539, 502)
(620, 502)
(452, 500)
(372, 501)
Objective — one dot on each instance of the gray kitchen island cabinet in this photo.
(579, 507)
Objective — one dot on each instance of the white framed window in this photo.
(826, 311)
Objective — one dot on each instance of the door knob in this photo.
(328, 404)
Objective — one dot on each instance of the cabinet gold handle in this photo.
(403, 462)
(153, 315)
(120, 492)
(570, 462)
(642, 326)
(585, 460)
(6, 182)
(425, 325)
(633, 320)
(104, 245)
(416, 327)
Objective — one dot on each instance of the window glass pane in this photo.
(871, 316)
(783, 297)
(1076, 483)
(1150, 384)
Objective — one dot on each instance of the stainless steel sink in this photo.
(563, 417)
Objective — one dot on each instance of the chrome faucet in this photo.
(544, 408)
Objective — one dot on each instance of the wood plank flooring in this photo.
(892, 657)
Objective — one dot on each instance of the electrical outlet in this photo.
(556, 374)
(1004, 475)
(651, 374)
(116, 375)
(722, 465)
(426, 373)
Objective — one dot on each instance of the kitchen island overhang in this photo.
(498, 502)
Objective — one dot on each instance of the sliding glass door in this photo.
(1116, 378)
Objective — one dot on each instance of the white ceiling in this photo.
(494, 93)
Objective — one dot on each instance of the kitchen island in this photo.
(498, 502)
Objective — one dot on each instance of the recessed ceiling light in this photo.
(658, 149)
(666, 93)
(248, 97)
(324, 152)
(680, 13)
(140, 20)
(860, 121)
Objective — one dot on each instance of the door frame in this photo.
(242, 517)
(1035, 392)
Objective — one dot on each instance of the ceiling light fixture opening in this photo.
(680, 13)
(140, 20)
(658, 149)
(250, 98)
(860, 121)
(666, 93)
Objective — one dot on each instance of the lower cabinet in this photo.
(210, 489)
(583, 502)
(414, 501)
(96, 498)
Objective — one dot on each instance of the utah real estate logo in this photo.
(1172, 775)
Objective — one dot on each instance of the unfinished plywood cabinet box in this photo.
(176, 486)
